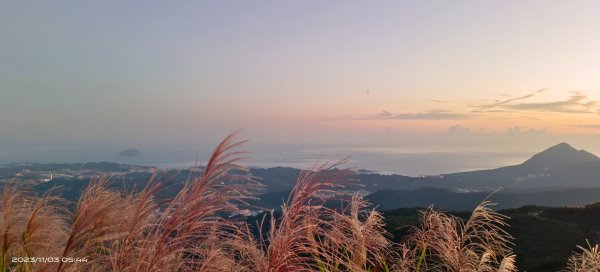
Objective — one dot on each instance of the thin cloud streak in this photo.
(576, 103)
(507, 101)
(430, 115)
(587, 126)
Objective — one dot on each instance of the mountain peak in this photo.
(561, 147)
(560, 155)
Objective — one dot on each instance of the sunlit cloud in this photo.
(502, 103)
(576, 103)
(594, 126)
(513, 117)
(429, 115)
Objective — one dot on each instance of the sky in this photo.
(319, 76)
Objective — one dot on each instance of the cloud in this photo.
(458, 129)
(508, 108)
(576, 103)
(513, 117)
(521, 130)
(429, 115)
(507, 101)
(513, 130)
(587, 126)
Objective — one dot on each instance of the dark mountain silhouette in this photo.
(559, 166)
(559, 156)
(448, 200)
(558, 176)
(594, 205)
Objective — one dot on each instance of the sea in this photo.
(411, 161)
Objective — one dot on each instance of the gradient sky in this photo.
(182, 72)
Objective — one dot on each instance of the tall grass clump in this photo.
(445, 243)
(292, 245)
(11, 224)
(293, 240)
(31, 226)
(587, 260)
(356, 239)
(182, 235)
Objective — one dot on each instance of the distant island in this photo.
(129, 153)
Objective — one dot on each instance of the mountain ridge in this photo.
(560, 155)
(558, 166)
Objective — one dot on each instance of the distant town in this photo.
(37, 173)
